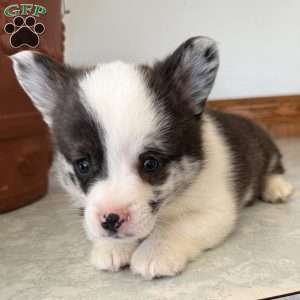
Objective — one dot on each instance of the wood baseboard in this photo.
(280, 115)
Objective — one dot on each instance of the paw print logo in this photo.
(24, 32)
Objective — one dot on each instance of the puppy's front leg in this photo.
(111, 255)
(174, 242)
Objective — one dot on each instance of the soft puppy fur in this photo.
(160, 177)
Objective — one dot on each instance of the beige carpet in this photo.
(44, 255)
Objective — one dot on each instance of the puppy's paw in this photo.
(112, 255)
(157, 259)
(277, 189)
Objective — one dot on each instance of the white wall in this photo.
(259, 40)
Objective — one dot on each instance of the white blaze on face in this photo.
(120, 100)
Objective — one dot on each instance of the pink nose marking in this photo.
(121, 212)
(112, 219)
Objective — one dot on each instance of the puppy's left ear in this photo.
(190, 72)
(43, 79)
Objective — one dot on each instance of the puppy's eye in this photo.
(83, 166)
(151, 164)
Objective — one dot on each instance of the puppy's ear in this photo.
(42, 79)
(190, 72)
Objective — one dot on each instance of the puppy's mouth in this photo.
(123, 236)
(116, 235)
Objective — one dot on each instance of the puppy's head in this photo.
(127, 137)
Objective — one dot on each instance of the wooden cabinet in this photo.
(25, 151)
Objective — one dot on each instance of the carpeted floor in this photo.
(44, 255)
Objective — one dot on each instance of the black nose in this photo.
(111, 223)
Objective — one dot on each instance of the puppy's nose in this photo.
(113, 221)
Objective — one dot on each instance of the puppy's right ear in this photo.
(42, 79)
(190, 72)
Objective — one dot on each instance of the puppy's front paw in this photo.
(111, 255)
(155, 258)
